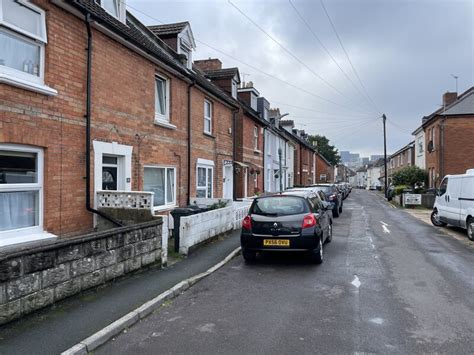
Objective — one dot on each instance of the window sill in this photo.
(25, 238)
(209, 135)
(256, 151)
(27, 85)
(164, 208)
(163, 123)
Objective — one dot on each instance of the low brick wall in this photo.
(33, 277)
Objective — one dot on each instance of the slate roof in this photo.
(252, 113)
(141, 36)
(227, 73)
(168, 29)
(409, 145)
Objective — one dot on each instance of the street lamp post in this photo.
(280, 169)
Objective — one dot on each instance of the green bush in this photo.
(398, 190)
(410, 176)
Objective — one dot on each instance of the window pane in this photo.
(201, 180)
(170, 186)
(209, 183)
(154, 181)
(19, 209)
(109, 178)
(201, 193)
(207, 125)
(111, 6)
(19, 54)
(109, 160)
(18, 168)
(22, 17)
(160, 97)
(207, 109)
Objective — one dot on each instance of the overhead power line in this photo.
(254, 67)
(347, 56)
(290, 53)
(316, 37)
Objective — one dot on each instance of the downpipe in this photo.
(88, 127)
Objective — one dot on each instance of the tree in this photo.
(411, 176)
(325, 149)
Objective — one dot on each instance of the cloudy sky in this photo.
(404, 52)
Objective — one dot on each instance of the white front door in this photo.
(228, 182)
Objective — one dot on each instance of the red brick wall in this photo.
(432, 158)
(459, 145)
(323, 168)
(122, 106)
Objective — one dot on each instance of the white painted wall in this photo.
(203, 226)
(420, 149)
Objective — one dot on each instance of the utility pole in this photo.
(385, 155)
(280, 169)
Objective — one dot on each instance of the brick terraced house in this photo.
(126, 114)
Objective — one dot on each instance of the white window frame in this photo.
(253, 101)
(185, 49)
(19, 78)
(159, 118)
(167, 205)
(208, 118)
(234, 88)
(255, 138)
(121, 10)
(28, 233)
(209, 166)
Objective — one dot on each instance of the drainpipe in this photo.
(88, 127)
(189, 141)
(234, 154)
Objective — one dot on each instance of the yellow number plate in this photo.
(276, 242)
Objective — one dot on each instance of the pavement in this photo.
(390, 283)
(57, 328)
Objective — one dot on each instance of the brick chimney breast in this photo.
(449, 98)
(208, 64)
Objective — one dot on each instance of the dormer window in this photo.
(234, 89)
(186, 50)
(253, 101)
(265, 113)
(116, 8)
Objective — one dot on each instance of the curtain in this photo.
(154, 181)
(170, 186)
(18, 209)
(160, 98)
(18, 54)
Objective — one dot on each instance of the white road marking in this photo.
(356, 281)
(385, 224)
(385, 229)
(376, 320)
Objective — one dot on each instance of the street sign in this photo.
(411, 199)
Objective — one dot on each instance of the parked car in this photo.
(320, 193)
(335, 196)
(454, 202)
(290, 221)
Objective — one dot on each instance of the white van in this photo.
(455, 202)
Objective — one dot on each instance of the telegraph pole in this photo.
(385, 155)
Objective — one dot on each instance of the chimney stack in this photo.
(449, 98)
(208, 64)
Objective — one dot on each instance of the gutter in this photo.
(189, 142)
(88, 126)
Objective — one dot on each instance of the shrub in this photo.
(411, 176)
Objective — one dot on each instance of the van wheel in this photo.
(318, 253)
(470, 228)
(435, 219)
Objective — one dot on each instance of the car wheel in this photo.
(249, 256)
(435, 219)
(335, 212)
(329, 238)
(470, 228)
(318, 253)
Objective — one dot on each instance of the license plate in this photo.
(276, 242)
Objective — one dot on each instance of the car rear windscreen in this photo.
(280, 206)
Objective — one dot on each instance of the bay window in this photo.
(21, 189)
(204, 181)
(161, 181)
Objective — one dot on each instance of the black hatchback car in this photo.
(291, 221)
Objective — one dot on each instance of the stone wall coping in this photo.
(43, 246)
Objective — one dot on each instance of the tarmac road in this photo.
(389, 284)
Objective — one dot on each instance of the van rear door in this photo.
(466, 199)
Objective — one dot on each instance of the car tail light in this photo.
(332, 197)
(247, 223)
(309, 221)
